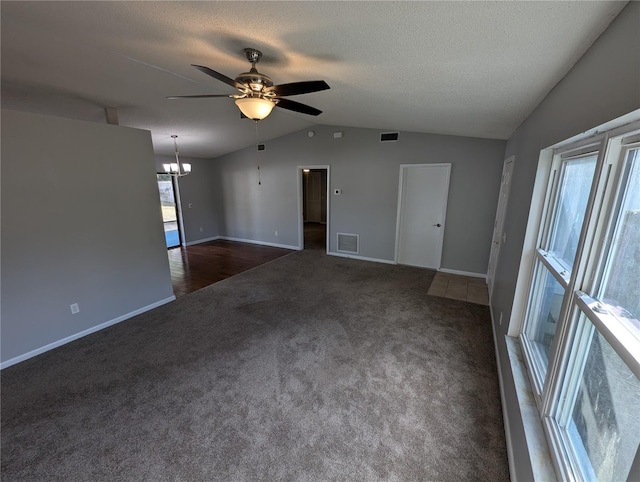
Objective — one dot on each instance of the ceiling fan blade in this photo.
(220, 77)
(297, 107)
(202, 96)
(296, 88)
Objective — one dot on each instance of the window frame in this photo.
(556, 267)
(588, 272)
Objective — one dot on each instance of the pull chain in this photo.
(257, 161)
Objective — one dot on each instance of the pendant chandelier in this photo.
(177, 168)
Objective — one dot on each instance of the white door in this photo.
(498, 225)
(422, 206)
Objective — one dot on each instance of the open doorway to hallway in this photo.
(314, 206)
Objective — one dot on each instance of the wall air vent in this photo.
(389, 136)
(261, 147)
(348, 243)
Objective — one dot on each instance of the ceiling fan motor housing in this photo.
(254, 80)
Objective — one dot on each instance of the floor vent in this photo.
(389, 136)
(348, 243)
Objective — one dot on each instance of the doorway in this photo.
(498, 226)
(169, 206)
(314, 207)
(422, 207)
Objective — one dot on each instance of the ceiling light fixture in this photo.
(177, 168)
(255, 108)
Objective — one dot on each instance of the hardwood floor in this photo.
(197, 266)
(200, 265)
(315, 236)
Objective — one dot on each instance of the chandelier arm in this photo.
(180, 170)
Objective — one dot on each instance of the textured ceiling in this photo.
(464, 68)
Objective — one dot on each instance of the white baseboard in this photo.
(361, 258)
(86, 332)
(261, 243)
(200, 241)
(464, 273)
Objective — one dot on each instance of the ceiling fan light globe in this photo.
(255, 108)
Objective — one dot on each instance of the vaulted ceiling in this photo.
(462, 68)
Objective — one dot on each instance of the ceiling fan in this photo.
(258, 96)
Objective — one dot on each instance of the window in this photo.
(581, 330)
(599, 419)
(571, 179)
(543, 314)
(577, 176)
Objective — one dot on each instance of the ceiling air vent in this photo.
(348, 243)
(389, 136)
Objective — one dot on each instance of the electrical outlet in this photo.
(75, 308)
(276, 233)
(201, 229)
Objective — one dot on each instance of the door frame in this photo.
(498, 224)
(299, 170)
(176, 193)
(403, 168)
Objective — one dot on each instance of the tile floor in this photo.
(457, 287)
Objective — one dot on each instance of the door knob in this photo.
(437, 224)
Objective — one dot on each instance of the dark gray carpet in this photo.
(308, 368)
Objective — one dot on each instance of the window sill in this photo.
(537, 447)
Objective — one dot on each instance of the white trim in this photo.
(525, 271)
(617, 333)
(178, 198)
(299, 171)
(200, 241)
(611, 126)
(261, 243)
(396, 249)
(83, 333)
(361, 258)
(499, 221)
(464, 273)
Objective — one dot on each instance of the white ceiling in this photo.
(464, 68)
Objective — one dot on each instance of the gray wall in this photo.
(603, 85)
(81, 223)
(367, 171)
(201, 220)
